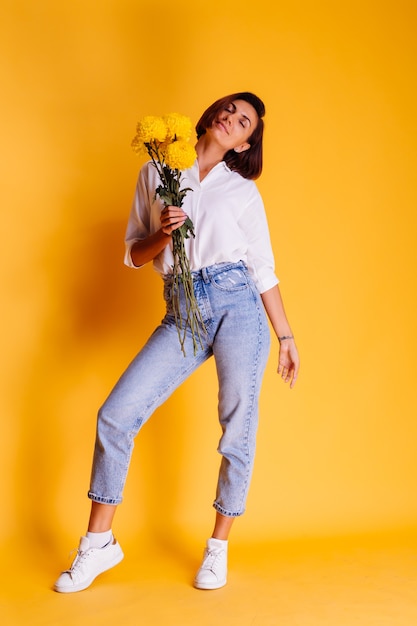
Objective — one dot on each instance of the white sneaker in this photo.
(213, 571)
(87, 565)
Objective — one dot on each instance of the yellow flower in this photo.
(178, 126)
(180, 155)
(165, 140)
(138, 146)
(150, 128)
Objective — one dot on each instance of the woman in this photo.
(234, 284)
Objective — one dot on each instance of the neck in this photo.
(208, 154)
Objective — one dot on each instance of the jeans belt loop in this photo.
(205, 275)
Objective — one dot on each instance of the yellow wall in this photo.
(338, 453)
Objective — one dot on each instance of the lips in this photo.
(223, 127)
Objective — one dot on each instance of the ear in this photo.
(242, 148)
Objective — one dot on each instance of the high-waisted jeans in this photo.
(238, 338)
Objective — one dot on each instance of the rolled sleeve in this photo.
(138, 226)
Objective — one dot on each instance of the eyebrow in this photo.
(242, 114)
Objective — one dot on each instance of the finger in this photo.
(173, 222)
(172, 218)
(172, 210)
(170, 224)
(295, 375)
(168, 230)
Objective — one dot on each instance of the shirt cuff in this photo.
(128, 256)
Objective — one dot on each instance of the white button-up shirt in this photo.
(229, 222)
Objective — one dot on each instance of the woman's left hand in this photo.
(289, 362)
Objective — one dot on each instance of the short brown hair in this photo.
(248, 163)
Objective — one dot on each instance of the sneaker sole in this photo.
(81, 586)
(207, 586)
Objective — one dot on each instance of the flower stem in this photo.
(171, 193)
(182, 274)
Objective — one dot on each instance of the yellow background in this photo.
(337, 454)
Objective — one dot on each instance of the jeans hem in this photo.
(103, 500)
(226, 513)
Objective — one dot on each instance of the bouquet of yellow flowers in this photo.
(165, 139)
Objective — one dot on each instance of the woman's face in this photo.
(233, 126)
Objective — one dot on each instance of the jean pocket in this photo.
(234, 279)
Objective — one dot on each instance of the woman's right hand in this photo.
(145, 250)
(172, 217)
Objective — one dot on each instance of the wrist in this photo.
(285, 338)
(164, 235)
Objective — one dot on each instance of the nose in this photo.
(227, 117)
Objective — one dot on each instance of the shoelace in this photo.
(210, 560)
(78, 561)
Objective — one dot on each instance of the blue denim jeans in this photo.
(238, 338)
